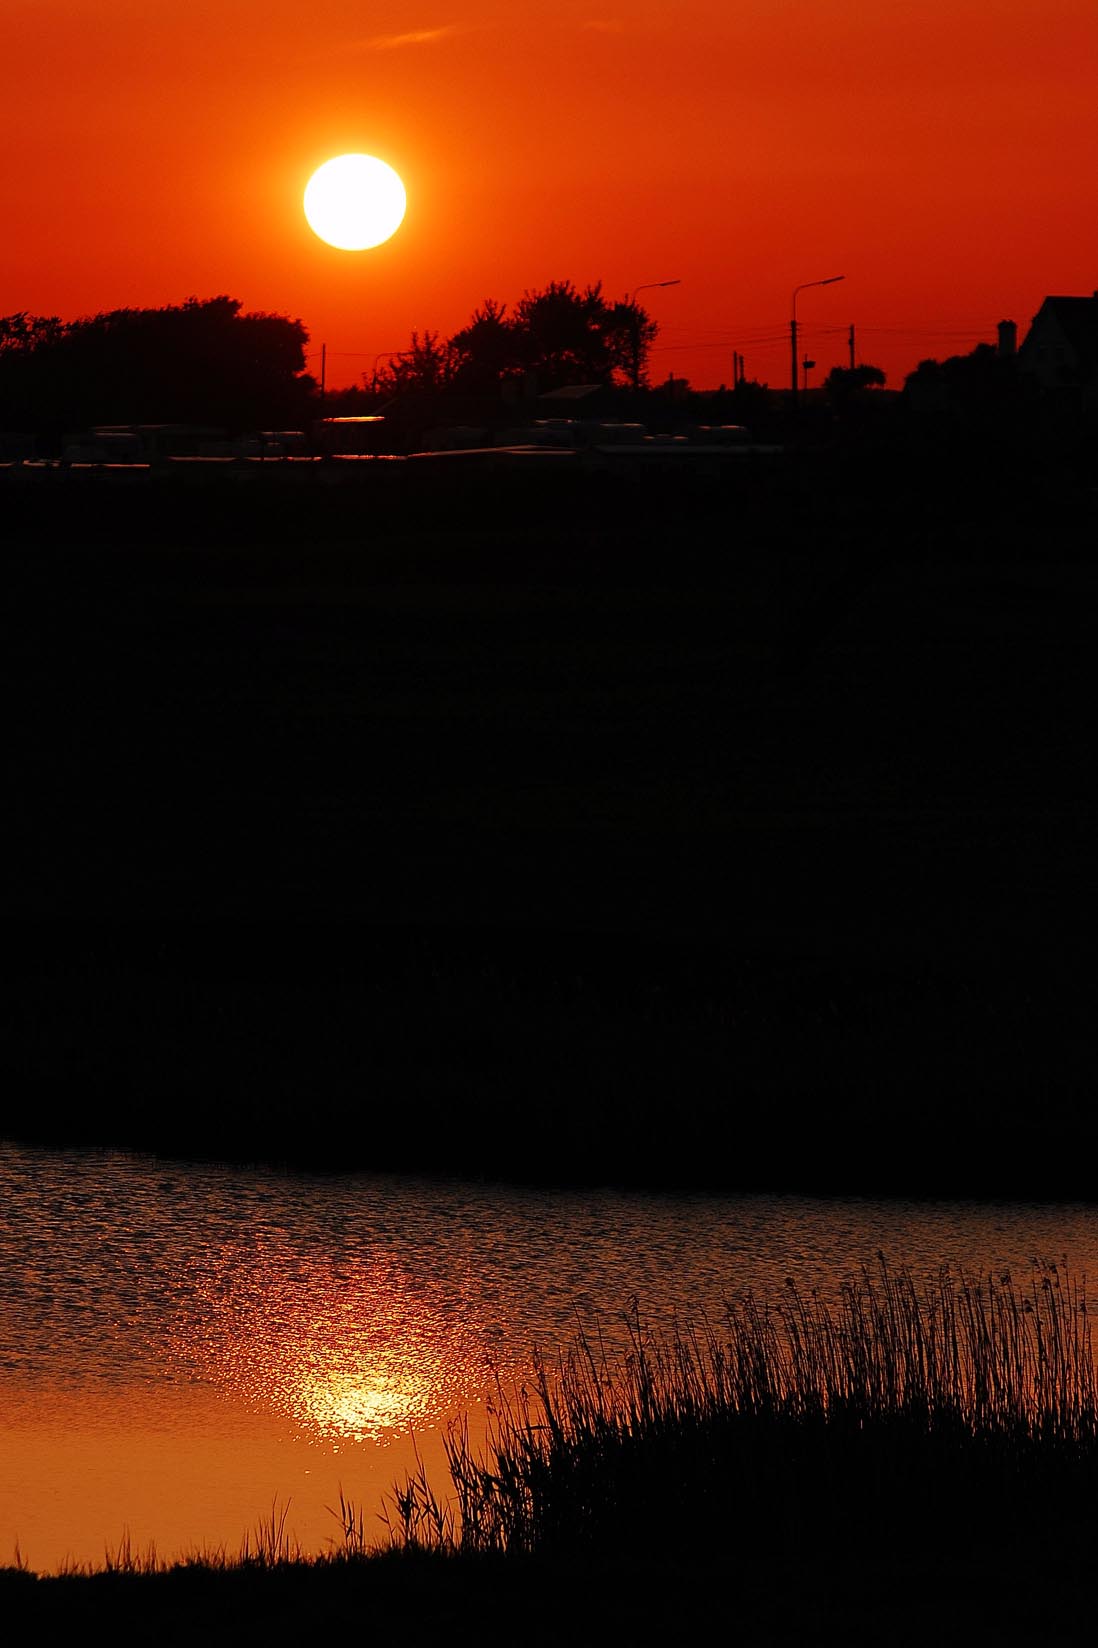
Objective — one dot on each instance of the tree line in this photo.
(206, 361)
(203, 361)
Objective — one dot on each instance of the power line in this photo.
(930, 332)
(728, 343)
(747, 337)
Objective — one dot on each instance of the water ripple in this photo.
(355, 1306)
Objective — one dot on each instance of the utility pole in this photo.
(323, 372)
(830, 281)
(850, 340)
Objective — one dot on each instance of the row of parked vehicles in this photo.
(544, 440)
(592, 440)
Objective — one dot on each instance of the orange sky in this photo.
(942, 154)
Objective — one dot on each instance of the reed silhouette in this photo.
(901, 1419)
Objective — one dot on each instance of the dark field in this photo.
(736, 830)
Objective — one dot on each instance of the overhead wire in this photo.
(762, 339)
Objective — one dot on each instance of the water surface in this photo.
(183, 1344)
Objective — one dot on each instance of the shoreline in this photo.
(959, 1599)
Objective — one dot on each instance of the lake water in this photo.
(182, 1345)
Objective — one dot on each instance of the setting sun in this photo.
(354, 202)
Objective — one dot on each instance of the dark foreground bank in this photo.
(962, 1598)
(677, 834)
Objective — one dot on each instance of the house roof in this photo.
(1078, 319)
(572, 392)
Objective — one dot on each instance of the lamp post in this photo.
(648, 286)
(830, 281)
(386, 354)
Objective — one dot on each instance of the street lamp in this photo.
(830, 281)
(386, 354)
(648, 286)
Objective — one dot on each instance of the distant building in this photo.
(351, 437)
(1060, 350)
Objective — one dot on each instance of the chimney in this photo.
(1008, 339)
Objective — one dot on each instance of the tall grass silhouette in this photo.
(896, 1418)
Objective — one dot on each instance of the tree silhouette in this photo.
(974, 382)
(425, 364)
(21, 335)
(568, 336)
(484, 352)
(560, 334)
(201, 361)
(981, 397)
(844, 382)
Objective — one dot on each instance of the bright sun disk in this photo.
(354, 202)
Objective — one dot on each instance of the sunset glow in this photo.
(941, 155)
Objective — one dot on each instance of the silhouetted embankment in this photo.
(731, 829)
(961, 1597)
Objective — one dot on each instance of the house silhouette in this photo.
(1060, 350)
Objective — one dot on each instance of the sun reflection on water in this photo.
(348, 1353)
(360, 1410)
